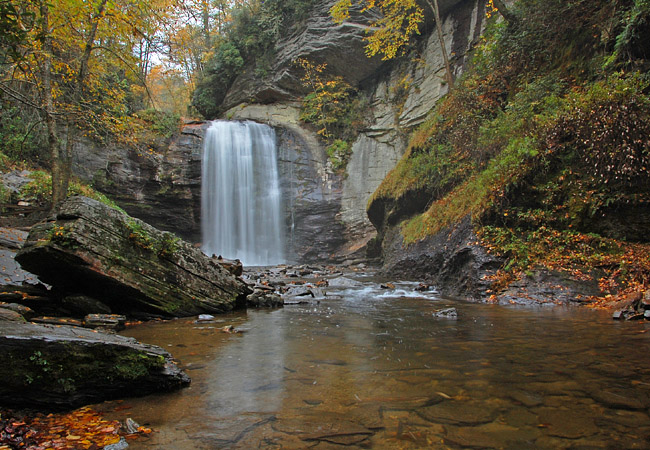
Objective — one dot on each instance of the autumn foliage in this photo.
(83, 428)
(544, 144)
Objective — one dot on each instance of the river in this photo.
(374, 368)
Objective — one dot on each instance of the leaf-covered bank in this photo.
(544, 143)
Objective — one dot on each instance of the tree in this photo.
(393, 31)
(74, 64)
(400, 21)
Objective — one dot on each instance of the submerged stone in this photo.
(447, 313)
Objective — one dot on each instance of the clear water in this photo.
(241, 213)
(374, 368)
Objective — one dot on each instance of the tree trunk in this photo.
(436, 13)
(53, 143)
(504, 11)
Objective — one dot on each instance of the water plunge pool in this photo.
(373, 368)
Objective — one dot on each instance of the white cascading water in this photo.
(241, 215)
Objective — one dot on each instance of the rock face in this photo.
(130, 266)
(320, 41)
(399, 95)
(55, 367)
(326, 216)
(450, 260)
(161, 187)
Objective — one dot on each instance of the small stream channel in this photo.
(373, 368)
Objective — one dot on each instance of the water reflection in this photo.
(373, 369)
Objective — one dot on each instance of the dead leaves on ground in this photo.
(83, 428)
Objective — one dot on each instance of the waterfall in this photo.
(241, 215)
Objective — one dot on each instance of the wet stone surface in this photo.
(367, 367)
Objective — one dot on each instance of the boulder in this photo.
(264, 298)
(54, 367)
(92, 249)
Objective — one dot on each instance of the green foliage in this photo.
(160, 122)
(338, 153)
(5, 195)
(391, 33)
(538, 142)
(165, 246)
(39, 190)
(632, 45)
(20, 140)
(333, 106)
(248, 43)
(60, 235)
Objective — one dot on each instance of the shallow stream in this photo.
(373, 368)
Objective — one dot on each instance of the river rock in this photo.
(53, 367)
(263, 297)
(96, 250)
(114, 322)
(447, 313)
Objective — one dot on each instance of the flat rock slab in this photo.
(324, 427)
(459, 412)
(565, 423)
(98, 251)
(52, 367)
(11, 274)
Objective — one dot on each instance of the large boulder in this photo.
(92, 249)
(55, 367)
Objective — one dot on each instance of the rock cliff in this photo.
(327, 210)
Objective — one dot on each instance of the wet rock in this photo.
(447, 313)
(8, 315)
(298, 291)
(634, 306)
(12, 238)
(120, 445)
(459, 412)
(492, 435)
(11, 274)
(566, 423)
(93, 249)
(324, 427)
(205, 318)
(60, 366)
(423, 287)
(451, 260)
(618, 399)
(264, 298)
(234, 266)
(387, 286)
(36, 297)
(113, 322)
(83, 304)
(58, 321)
(23, 310)
(344, 282)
